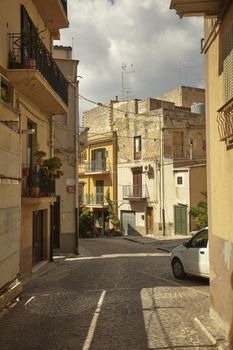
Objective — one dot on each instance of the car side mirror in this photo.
(185, 244)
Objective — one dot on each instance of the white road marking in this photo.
(27, 302)
(93, 324)
(110, 256)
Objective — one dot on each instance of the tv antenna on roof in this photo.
(125, 90)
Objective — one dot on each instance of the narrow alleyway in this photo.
(116, 295)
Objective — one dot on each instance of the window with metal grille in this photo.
(228, 63)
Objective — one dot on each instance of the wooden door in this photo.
(137, 182)
(56, 223)
(149, 220)
(180, 214)
(99, 191)
(98, 160)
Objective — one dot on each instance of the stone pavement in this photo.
(204, 322)
(143, 306)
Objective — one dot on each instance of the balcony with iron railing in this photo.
(101, 166)
(53, 13)
(95, 200)
(37, 182)
(225, 121)
(135, 192)
(34, 72)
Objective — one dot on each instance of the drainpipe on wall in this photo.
(76, 113)
(162, 209)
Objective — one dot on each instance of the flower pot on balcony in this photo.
(35, 191)
(30, 63)
(26, 171)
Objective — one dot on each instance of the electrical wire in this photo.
(124, 111)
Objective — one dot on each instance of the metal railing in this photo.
(225, 121)
(102, 165)
(27, 51)
(135, 191)
(37, 182)
(94, 199)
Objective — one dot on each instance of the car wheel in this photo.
(177, 269)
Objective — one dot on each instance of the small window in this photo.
(179, 178)
(137, 147)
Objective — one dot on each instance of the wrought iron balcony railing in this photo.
(225, 121)
(135, 191)
(27, 51)
(95, 199)
(37, 182)
(102, 165)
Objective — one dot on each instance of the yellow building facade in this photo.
(98, 177)
(217, 46)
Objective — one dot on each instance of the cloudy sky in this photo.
(155, 50)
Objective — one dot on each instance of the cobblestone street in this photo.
(115, 295)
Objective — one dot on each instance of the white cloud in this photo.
(164, 50)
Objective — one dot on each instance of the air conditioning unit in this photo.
(147, 168)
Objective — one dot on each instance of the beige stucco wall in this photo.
(29, 205)
(10, 204)
(184, 96)
(65, 131)
(220, 185)
(98, 119)
(198, 184)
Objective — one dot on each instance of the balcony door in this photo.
(28, 38)
(98, 160)
(99, 191)
(137, 182)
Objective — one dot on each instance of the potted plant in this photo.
(35, 183)
(13, 63)
(53, 166)
(26, 171)
(30, 44)
(39, 157)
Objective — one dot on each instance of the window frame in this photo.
(137, 146)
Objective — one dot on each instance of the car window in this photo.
(200, 240)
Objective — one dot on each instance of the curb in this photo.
(133, 240)
(14, 290)
(205, 331)
(164, 249)
(143, 243)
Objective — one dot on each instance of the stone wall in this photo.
(184, 96)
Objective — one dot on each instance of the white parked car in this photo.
(192, 257)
